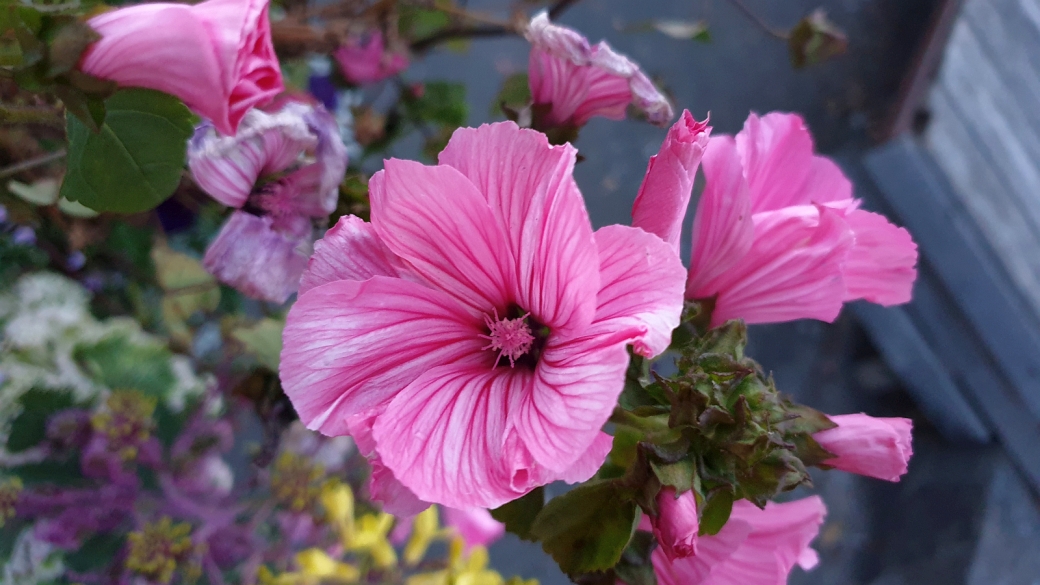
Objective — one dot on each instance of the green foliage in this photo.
(587, 528)
(263, 340)
(30, 427)
(134, 162)
(514, 95)
(418, 23)
(187, 289)
(51, 472)
(441, 102)
(519, 515)
(119, 362)
(96, 552)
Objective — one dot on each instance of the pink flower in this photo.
(215, 56)
(263, 252)
(391, 329)
(676, 524)
(777, 235)
(366, 60)
(665, 192)
(474, 525)
(877, 447)
(580, 81)
(756, 547)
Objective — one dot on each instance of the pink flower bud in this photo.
(665, 192)
(876, 447)
(676, 524)
(367, 60)
(215, 56)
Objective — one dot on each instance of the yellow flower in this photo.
(425, 529)
(315, 562)
(370, 536)
(338, 501)
(471, 569)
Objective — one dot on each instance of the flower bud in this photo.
(676, 524)
(876, 447)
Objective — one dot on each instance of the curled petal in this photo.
(665, 193)
(580, 81)
(642, 283)
(881, 265)
(351, 250)
(781, 167)
(215, 56)
(792, 271)
(876, 447)
(250, 255)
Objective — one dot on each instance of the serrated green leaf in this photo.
(519, 515)
(30, 427)
(136, 159)
(587, 528)
(263, 339)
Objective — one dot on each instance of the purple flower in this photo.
(24, 236)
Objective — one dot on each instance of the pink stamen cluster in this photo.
(511, 338)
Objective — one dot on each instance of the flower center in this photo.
(511, 338)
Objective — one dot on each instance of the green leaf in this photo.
(96, 552)
(716, 511)
(814, 40)
(419, 23)
(587, 528)
(62, 473)
(515, 93)
(442, 103)
(136, 159)
(519, 515)
(188, 288)
(804, 420)
(30, 427)
(121, 363)
(263, 339)
(679, 475)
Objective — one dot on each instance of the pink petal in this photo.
(444, 436)
(351, 250)
(881, 266)
(723, 230)
(367, 61)
(260, 262)
(575, 388)
(781, 169)
(436, 220)
(391, 494)
(665, 193)
(793, 270)
(216, 56)
(643, 281)
(530, 188)
(563, 85)
(712, 552)
(350, 346)
(589, 463)
(474, 525)
(876, 447)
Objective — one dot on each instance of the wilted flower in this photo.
(877, 447)
(478, 326)
(216, 56)
(755, 547)
(283, 171)
(777, 235)
(577, 81)
(365, 59)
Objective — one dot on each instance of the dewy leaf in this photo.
(136, 159)
(519, 515)
(587, 528)
(264, 340)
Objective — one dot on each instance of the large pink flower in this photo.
(216, 56)
(877, 447)
(578, 81)
(478, 324)
(756, 547)
(366, 60)
(777, 235)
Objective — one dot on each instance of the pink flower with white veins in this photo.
(477, 324)
(579, 80)
(778, 236)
